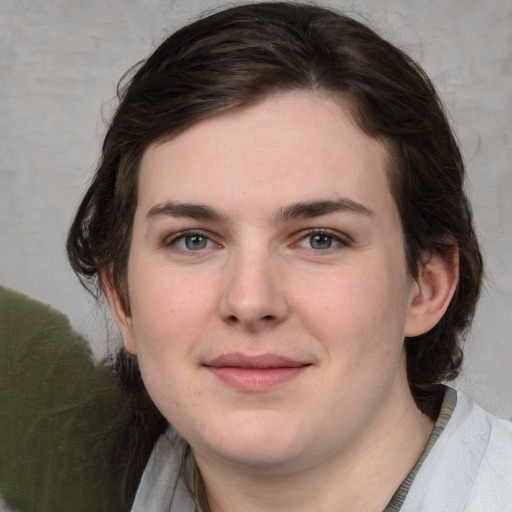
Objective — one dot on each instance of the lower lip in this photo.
(255, 379)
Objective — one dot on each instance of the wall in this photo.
(59, 64)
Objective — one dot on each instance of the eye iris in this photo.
(195, 242)
(320, 241)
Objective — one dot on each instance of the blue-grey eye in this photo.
(195, 242)
(192, 241)
(320, 241)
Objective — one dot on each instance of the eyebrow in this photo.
(191, 211)
(302, 210)
(313, 209)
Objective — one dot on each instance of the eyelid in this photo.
(341, 239)
(170, 240)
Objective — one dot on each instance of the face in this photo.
(267, 282)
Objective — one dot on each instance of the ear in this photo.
(432, 292)
(122, 317)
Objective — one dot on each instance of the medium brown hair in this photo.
(240, 55)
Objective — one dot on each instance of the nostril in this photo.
(267, 319)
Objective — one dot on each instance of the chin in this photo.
(260, 443)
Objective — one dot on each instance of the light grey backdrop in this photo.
(59, 64)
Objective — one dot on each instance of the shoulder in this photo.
(470, 466)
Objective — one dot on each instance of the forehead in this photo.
(288, 147)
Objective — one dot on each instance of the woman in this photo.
(279, 224)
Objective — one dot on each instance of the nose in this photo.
(253, 296)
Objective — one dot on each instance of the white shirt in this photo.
(468, 468)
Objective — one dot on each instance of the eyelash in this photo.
(182, 235)
(309, 234)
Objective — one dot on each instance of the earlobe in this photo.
(432, 292)
(121, 316)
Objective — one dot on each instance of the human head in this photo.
(238, 56)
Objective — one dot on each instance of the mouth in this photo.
(255, 373)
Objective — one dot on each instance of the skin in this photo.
(271, 231)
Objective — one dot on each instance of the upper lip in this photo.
(262, 361)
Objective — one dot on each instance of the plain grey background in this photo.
(59, 65)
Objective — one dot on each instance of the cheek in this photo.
(172, 313)
(358, 312)
(164, 333)
(168, 305)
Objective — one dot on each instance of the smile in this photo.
(255, 373)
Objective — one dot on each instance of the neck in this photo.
(362, 477)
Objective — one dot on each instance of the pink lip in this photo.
(255, 373)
